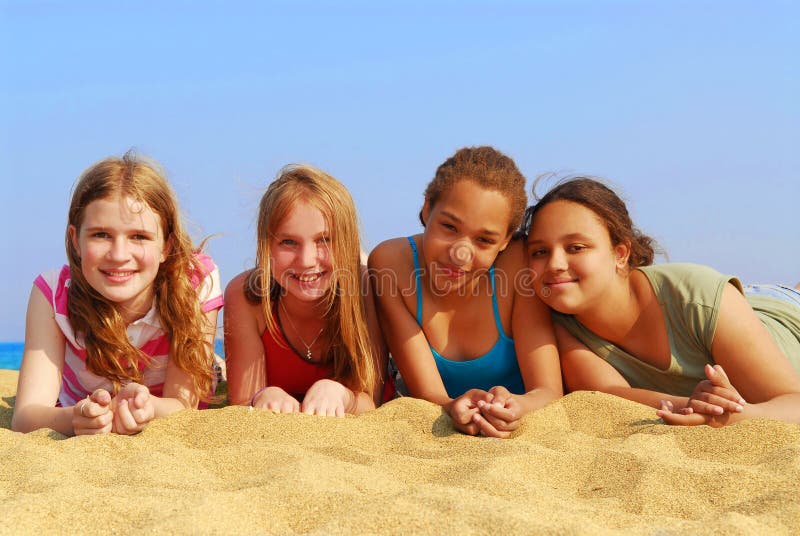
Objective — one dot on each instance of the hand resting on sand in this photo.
(713, 402)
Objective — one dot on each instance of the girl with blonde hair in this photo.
(124, 333)
(300, 328)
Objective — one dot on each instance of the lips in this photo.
(451, 271)
(118, 276)
(308, 278)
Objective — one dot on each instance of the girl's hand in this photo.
(715, 395)
(93, 414)
(464, 409)
(277, 400)
(686, 418)
(328, 398)
(499, 416)
(133, 409)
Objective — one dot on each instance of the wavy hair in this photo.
(351, 353)
(108, 351)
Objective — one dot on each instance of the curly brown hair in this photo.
(490, 169)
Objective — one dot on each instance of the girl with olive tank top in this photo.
(682, 338)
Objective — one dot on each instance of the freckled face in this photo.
(300, 254)
(465, 230)
(121, 246)
(571, 255)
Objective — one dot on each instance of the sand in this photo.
(587, 464)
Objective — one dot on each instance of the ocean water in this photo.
(11, 353)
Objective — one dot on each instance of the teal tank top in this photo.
(498, 366)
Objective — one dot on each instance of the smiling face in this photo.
(570, 252)
(300, 253)
(121, 246)
(465, 230)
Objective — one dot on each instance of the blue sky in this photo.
(689, 108)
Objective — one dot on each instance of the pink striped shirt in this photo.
(77, 381)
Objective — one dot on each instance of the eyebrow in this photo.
(458, 220)
(571, 236)
(106, 229)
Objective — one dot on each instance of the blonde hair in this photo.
(351, 352)
(109, 353)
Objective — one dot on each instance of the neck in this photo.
(302, 310)
(616, 313)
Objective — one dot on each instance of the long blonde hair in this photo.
(351, 352)
(109, 353)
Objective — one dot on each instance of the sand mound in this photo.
(590, 463)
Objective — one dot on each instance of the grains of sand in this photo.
(587, 464)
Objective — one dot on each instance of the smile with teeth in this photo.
(307, 278)
(114, 273)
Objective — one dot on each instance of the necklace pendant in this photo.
(308, 354)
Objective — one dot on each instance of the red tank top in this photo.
(286, 369)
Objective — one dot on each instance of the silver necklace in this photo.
(308, 355)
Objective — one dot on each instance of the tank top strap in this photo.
(418, 287)
(495, 307)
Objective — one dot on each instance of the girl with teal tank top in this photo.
(460, 326)
(683, 338)
(498, 366)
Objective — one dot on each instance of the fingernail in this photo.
(739, 409)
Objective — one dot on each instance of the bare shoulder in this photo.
(393, 253)
(234, 292)
(512, 259)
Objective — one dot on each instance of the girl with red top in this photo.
(301, 333)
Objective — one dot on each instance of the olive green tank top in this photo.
(689, 296)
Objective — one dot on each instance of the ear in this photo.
(622, 252)
(504, 245)
(425, 212)
(73, 238)
(166, 250)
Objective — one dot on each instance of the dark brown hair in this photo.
(608, 206)
(490, 169)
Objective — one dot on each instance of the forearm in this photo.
(164, 406)
(537, 398)
(360, 402)
(781, 408)
(646, 397)
(34, 417)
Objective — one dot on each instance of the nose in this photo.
(309, 255)
(462, 253)
(119, 250)
(557, 262)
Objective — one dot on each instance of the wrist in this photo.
(253, 399)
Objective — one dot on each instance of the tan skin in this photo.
(457, 306)
(571, 251)
(111, 237)
(300, 245)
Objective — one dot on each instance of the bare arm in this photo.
(405, 338)
(244, 350)
(586, 371)
(756, 366)
(40, 373)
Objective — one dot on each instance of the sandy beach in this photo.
(588, 464)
